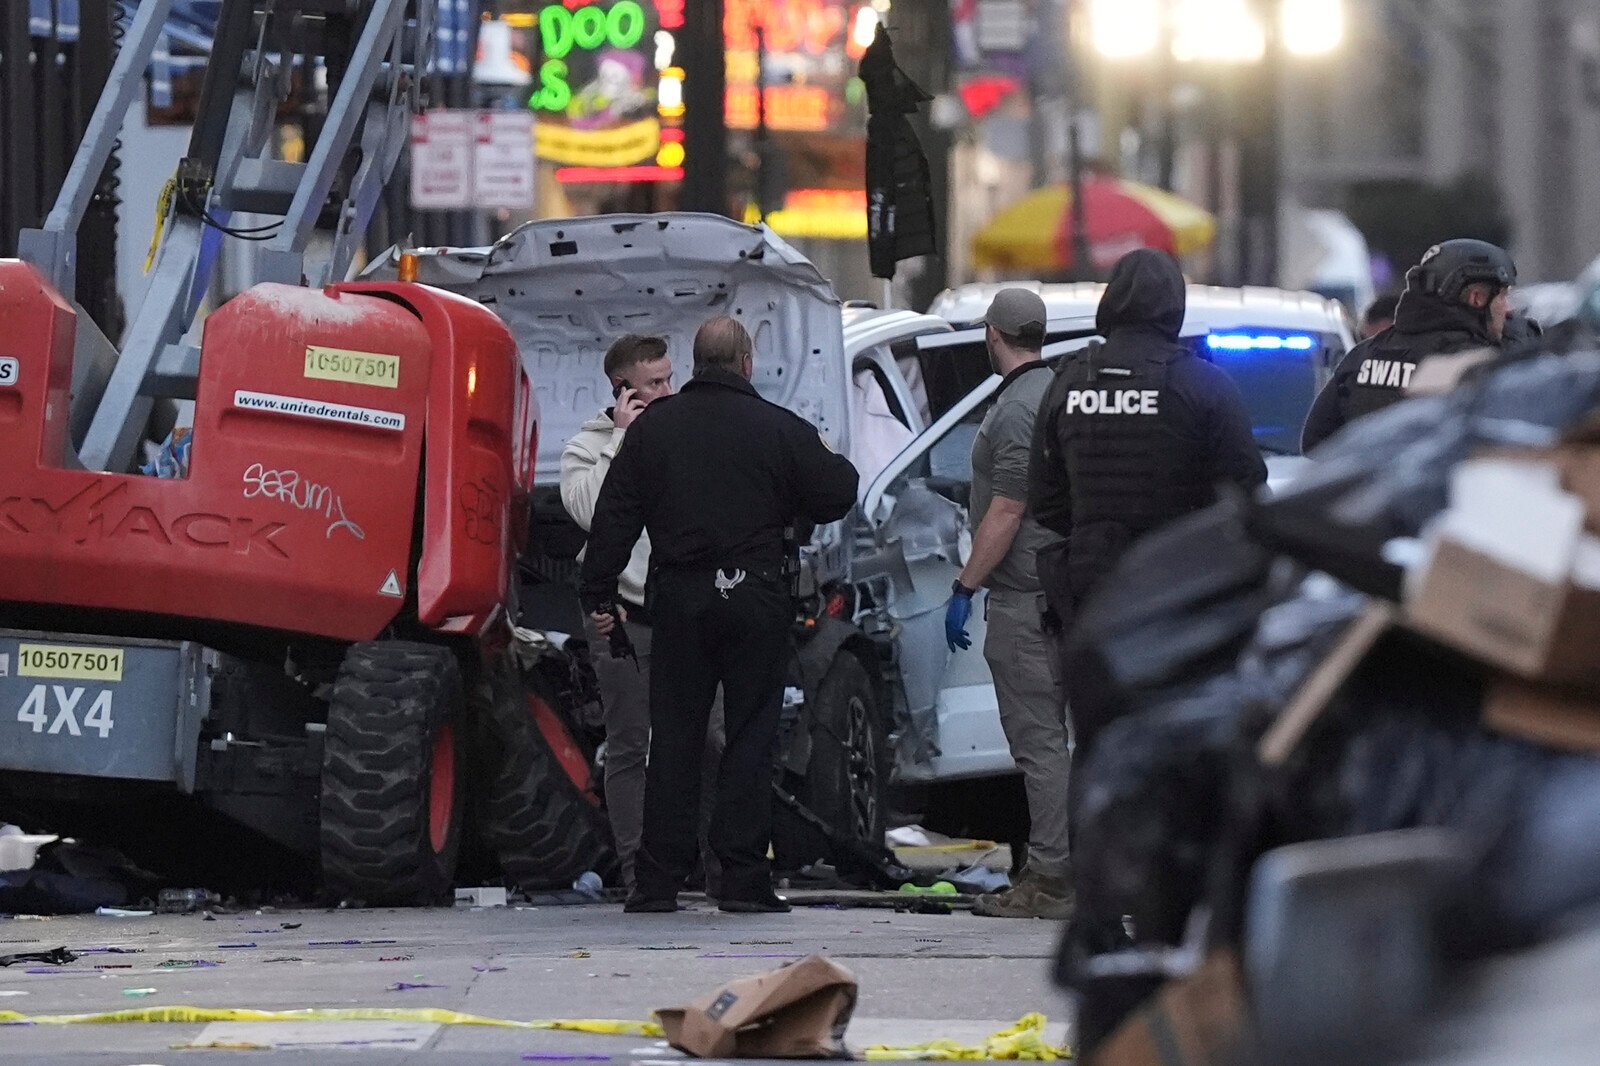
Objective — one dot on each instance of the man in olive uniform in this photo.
(1004, 560)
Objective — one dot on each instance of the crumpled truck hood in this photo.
(569, 287)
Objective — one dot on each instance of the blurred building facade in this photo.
(1441, 90)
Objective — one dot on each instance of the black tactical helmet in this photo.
(1447, 269)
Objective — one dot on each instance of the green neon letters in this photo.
(588, 27)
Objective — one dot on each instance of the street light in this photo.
(1125, 29)
(1219, 31)
(1312, 27)
(1225, 31)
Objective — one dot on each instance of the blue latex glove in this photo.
(956, 613)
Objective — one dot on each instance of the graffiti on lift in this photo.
(287, 486)
(481, 511)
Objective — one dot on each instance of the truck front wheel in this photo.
(392, 775)
(848, 771)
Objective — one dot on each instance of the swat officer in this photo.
(714, 475)
(1133, 433)
(1456, 299)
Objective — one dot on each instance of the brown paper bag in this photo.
(797, 1012)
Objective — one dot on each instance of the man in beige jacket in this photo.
(640, 372)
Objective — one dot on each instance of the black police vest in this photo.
(1129, 467)
(1383, 377)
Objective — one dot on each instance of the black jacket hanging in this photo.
(899, 182)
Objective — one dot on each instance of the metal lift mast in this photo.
(375, 53)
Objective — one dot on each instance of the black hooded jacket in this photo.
(1377, 372)
(1134, 432)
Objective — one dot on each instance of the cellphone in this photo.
(616, 390)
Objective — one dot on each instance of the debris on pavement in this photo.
(487, 896)
(557, 1056)
(916, 838)
(185, 900)
(18, 850)
(139, 991)
(407, 986)
(55, 957)
(798, 1011)
(120, 912)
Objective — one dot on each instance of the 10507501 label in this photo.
(360, 368)
(66, 662)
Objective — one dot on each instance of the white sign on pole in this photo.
(503, 172)
(442, 145)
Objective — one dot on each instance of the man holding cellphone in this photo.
(640, 372)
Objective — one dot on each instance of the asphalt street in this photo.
(921, 977)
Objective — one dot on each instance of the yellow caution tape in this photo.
(438, 1016)
(163, 206)
(1025, 1040)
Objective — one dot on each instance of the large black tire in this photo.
(546, 828)
(847, 777)
(392, 776)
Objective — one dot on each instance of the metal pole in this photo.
(1166, 111)
(705, 127)
(763, 138)
(1082, 265)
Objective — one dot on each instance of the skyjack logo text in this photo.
(320, 410)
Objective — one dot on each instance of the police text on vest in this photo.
(1386, 373)
(1113, 402)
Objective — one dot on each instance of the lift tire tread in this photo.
(389, 700)
(544, 830)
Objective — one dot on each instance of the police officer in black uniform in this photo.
(715, 474)
(1133, 433)
(1456, 299)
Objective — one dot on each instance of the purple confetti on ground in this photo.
(406, 986)
(54, 969)
(248, 944)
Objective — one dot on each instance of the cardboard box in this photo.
(797, 1012)
(1544, 716)
(1513, 578)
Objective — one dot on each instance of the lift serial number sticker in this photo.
(360, 368)
(61, 661)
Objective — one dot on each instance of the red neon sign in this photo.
(670, 14)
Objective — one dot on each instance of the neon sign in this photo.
(587, 28)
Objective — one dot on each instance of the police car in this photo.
(875, 695)
(1281, 347)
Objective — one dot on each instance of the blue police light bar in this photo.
(1260, 342)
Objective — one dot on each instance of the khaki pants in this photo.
(1033, 713)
